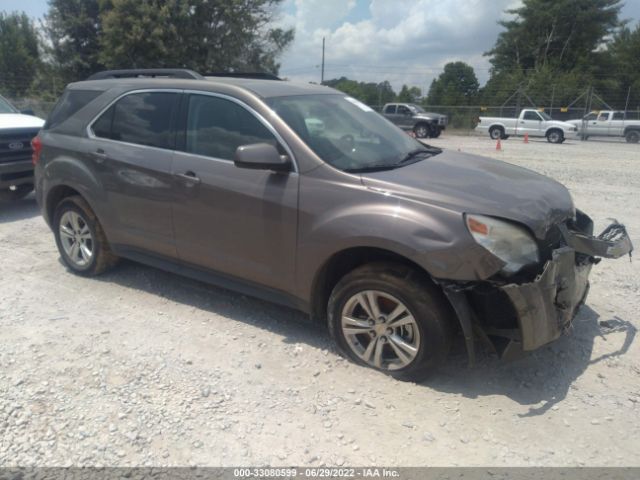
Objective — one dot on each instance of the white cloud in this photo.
(405, 41)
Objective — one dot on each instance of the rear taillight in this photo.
(36, 146)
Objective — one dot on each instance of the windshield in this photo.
(416, 108)
(348, 134)
(544, 116)
(6, 107)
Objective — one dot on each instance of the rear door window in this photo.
(141, 118)
(70, 102)
(390, 109)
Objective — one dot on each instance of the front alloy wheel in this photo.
(391, 317)
(421, 130)
(555, 137)
(380, 330)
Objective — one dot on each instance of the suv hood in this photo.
(19, 120)
(474, 184)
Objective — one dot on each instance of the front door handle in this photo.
(189, 176)
(100, 155)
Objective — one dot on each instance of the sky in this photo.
(402, 41)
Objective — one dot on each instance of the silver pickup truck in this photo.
(531, 122)
(410, 116)
(608, 123)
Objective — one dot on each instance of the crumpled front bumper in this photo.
(536, 312)
(547, 305)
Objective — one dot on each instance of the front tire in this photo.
(555, 136)
(15, 193)
(80, 239)
(632, 136)
(422, 130)
(392, 318)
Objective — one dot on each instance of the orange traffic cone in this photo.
(526, 138)
(498, 145)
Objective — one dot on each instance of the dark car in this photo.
(16, 131)
(412, 117)
(304, 196)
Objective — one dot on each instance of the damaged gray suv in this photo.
(304, 196)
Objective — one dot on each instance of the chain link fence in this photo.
(463, 119)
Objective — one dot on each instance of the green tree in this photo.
(563, 34)
(409, 94)
(456, 85)
(623, 56)
(374, 94)
(73, 28)
(19, 53)
(204, 35)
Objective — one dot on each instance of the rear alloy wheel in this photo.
(496, 133)
(81, 241)
(555, 136)
(632, 136)
(422, 130)
(389, 317)
(16, 192)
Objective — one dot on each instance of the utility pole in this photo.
(322, 68)
(626, 105)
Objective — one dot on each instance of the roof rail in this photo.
(147, 72)
(254, 75)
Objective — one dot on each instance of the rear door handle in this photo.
(189, 176)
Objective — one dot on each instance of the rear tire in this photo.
(17, 193)
(407, 346)
(496, 133)
(632, 136)
(81, 241)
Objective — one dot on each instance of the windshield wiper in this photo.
(430, 151)
(419, 151)
(372, 168)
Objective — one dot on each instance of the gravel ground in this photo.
(142, 367)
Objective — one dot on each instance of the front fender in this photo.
(434, 238)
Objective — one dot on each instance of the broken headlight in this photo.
(511, 243)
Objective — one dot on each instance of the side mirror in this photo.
(261, 156)
(28, 111)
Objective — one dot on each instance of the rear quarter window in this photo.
(70, 102)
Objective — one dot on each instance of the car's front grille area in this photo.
(15, 144)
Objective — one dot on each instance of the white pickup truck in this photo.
(608, 123)
(531, 122)
(16, 170)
